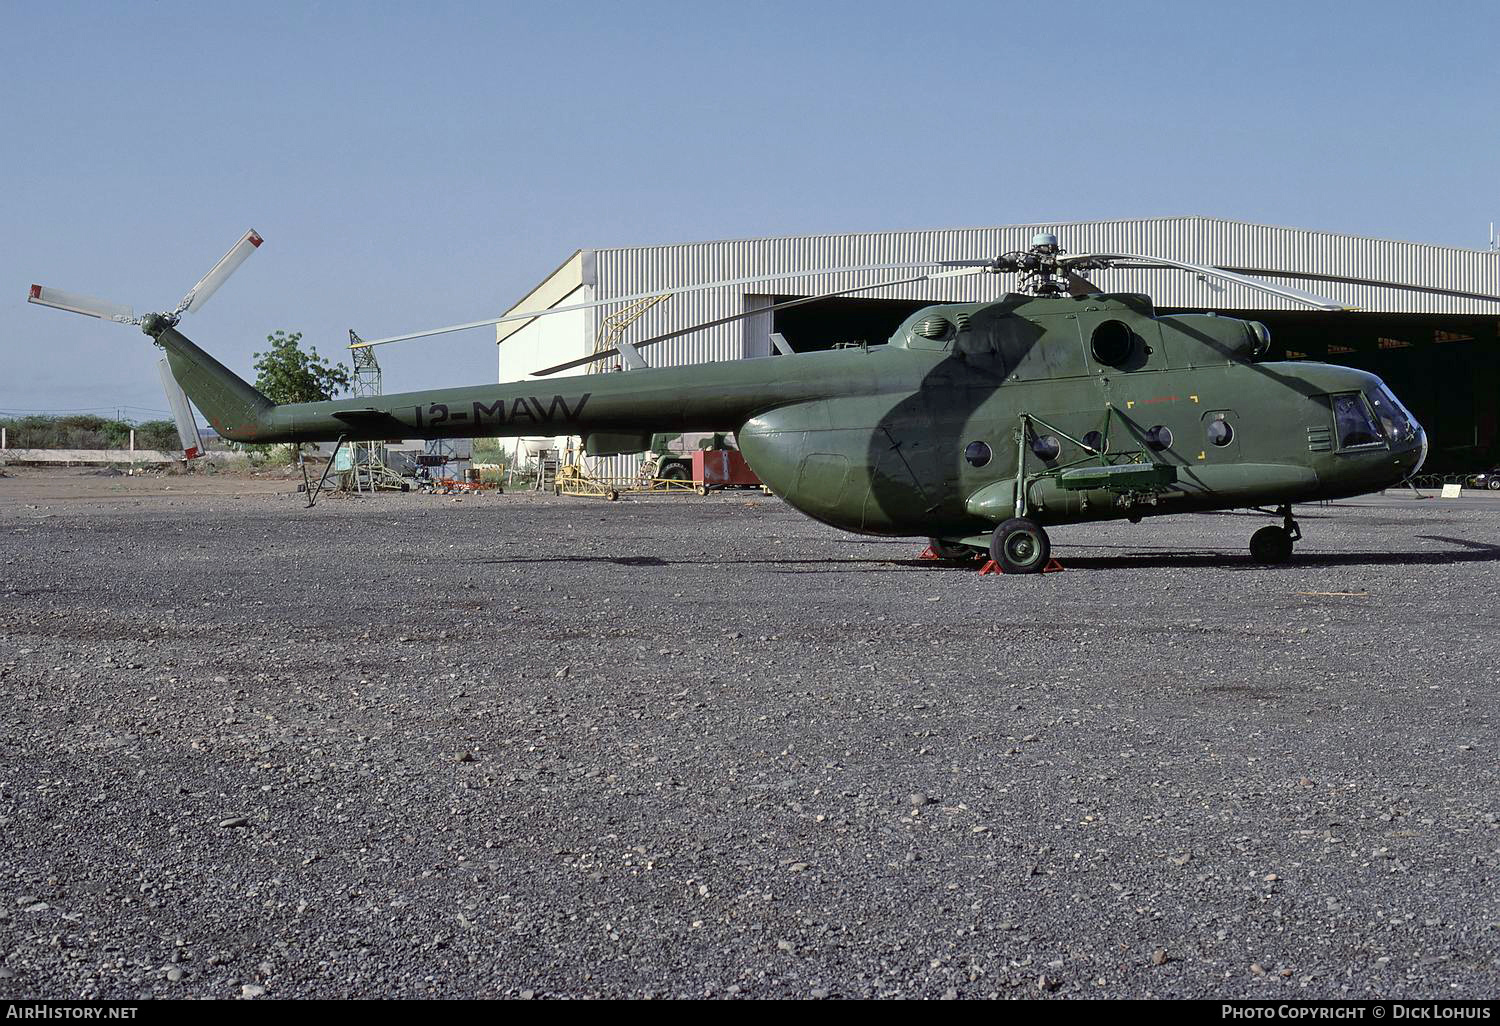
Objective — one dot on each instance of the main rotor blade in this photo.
(678, 290)
(86, 305)
(220, 272)
(609, 354)
(1373, 282)
(1134, 261)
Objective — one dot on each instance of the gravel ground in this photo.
(513, 746)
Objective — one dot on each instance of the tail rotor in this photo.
(73, 302)
(155, 323)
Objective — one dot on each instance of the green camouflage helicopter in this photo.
(977, 425)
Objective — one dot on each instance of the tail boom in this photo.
(612, 412)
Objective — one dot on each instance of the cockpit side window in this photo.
(1356, 427)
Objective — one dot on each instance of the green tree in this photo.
(157, 434)
(288, 375)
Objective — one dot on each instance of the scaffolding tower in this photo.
(368, 469)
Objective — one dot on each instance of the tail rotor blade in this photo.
(182, 413)
(86, 305)
(220, 272)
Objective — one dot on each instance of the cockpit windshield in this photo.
(1393, 416)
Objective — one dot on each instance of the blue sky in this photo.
(412, 166)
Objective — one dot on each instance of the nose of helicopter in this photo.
(1409, 451)
(1406, 437)
(1418, 449)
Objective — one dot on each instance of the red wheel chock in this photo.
(929, 553)
(991, 567)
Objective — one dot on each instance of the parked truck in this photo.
(711, 460)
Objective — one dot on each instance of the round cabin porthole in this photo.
(1112, 342)
(1046, 447)
(977, 453)
(1095, 440)
(1159, 437)
(1220, 432)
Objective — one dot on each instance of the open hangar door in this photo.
(1444, 367)
(841, 321)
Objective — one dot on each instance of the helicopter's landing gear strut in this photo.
(1273, 544)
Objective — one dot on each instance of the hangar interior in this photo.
(1440, 355)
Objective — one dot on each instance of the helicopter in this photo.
(976, 425)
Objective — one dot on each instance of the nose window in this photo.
(1392, 415)
(1355, 425)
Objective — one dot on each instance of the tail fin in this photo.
(232, 405)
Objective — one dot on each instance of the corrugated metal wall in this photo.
(1200, 240)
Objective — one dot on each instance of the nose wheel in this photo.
(1273, 544)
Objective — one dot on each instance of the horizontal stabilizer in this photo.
(371, 425)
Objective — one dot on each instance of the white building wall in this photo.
(528, 346)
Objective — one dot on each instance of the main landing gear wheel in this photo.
(1494, 484)
(1271, 545)
(1274, 544)
(949, 551)
(1020, 546)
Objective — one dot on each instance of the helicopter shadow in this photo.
(1473, 552)
(1128, 558)
(872, 562)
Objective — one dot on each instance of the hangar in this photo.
(1439, 353)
